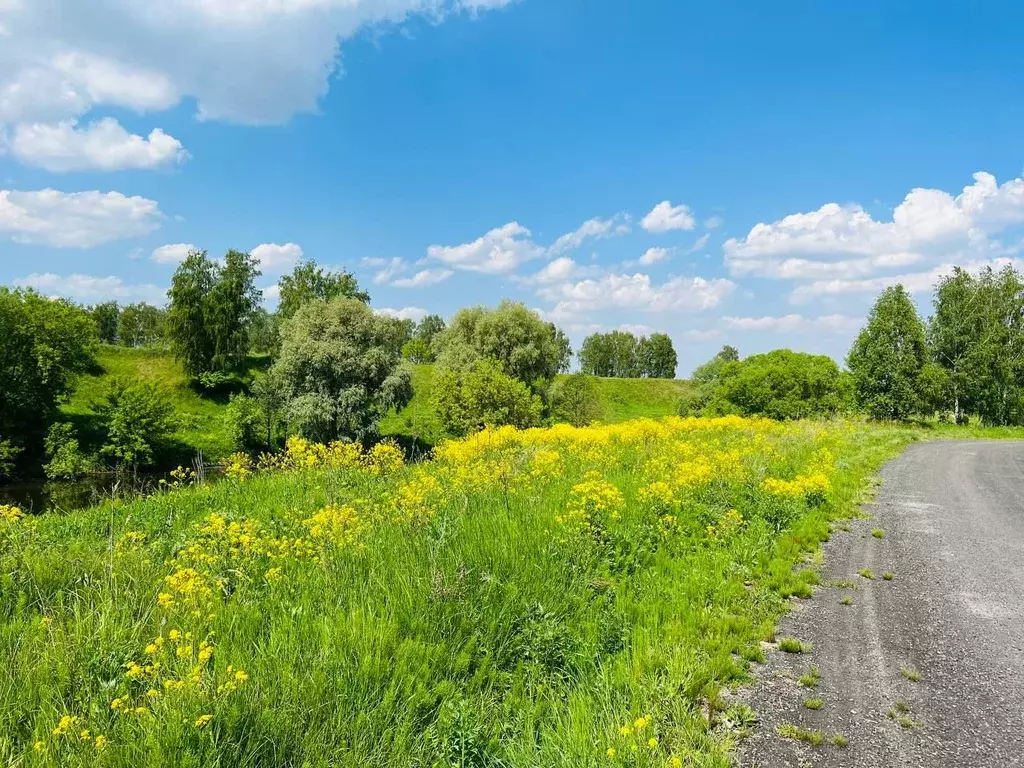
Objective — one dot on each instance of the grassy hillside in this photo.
(198, 419)
(560, 598)
(620, 399)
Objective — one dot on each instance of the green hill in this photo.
(200, 415)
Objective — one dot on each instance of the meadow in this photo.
(549, 597)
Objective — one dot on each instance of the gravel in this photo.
(953, 516)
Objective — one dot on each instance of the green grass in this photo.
(813, 703)
(840, 740)
(811, 678)
(866, 573)
(878, 533)
(792, 645)
(456, 612)
(910, 674)
(796, 733)
(198, 417)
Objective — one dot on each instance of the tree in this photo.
(188, 314)
(416, 351)
(230, 306)
(428, 328)
(888, 356)
(574, 400)
(658, 358)
(44, 345)
(482, 395)
(522, 344)
(65, 460)
(615, 354)
(107, 317)
(263, 331)
(211, 306)
(781, 384)
(140, 325)
(308, 282)
(339, 371)
(976, 335)
(137, 418)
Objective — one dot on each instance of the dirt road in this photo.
(953, 612)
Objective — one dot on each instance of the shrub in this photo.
(781, 384)
(481, 396)
(417, 351)
(66, 460)
(137, 418)
(574, 400)
(245, 423)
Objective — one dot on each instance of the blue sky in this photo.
(724, 172)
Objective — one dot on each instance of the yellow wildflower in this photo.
(100, 742)
(203, 720)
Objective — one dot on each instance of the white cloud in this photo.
(842, 242)
(103, 145)
(387, 268)
(794, 323)
(90, 289)
(714, 222)
(76, 219)
(637, 329)
(274, 258)
(500, 250)
(250, 61)
(914, 282)
(172, 253)
(592, 228)
(665, 217)
(698, 244)
(405, 313)
(654, 255)
(696, 334)
(424, 278)
(271, 295)
(615, 291)
(556, 270)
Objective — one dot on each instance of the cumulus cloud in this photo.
(103, 145)
(90, 289)
(665, 217)
(794, 323)
(637, 291)
(75, 219)
(914, 282)
(424, 278)
(591, 229)
(274, 258)
(838, 243)
(405, 313)
(654, 255)
(499, 251)
(172, 253)
(249, 61)
(387, 269)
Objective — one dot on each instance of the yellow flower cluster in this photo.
(592, 504)
(10, 513)
(338, 525)
(801, 486)
(729, 525)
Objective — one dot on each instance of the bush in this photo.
(483, 396)
(781, 384)
(574, 400)
(245, 423)
(138, 417)
(417, 351)
(8, 458)
(66, 460)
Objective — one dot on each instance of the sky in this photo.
(726, 173)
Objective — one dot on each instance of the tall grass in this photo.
(554, 597)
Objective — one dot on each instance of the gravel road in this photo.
(953, 517)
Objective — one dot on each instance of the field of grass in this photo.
(555, 597)
(198, 417)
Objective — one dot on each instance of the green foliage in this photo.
(141, 325)
(574, 400)
(264, 332)
(526, 347)
(428, 328)
(137, 417)
(619, 354)
(268, 392)
(977, 337)
(44, 345)
(210, 309)
(9, 453)
(245, 422)
(66, 461)
(887, 358)
(781, 384)
(308, 283)
(107, 317)
(658, 358)
(417, 351)
(483, 395)
(339, 370)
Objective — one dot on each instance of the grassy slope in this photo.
(476, 635)
(198, 419)
(621, 399)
